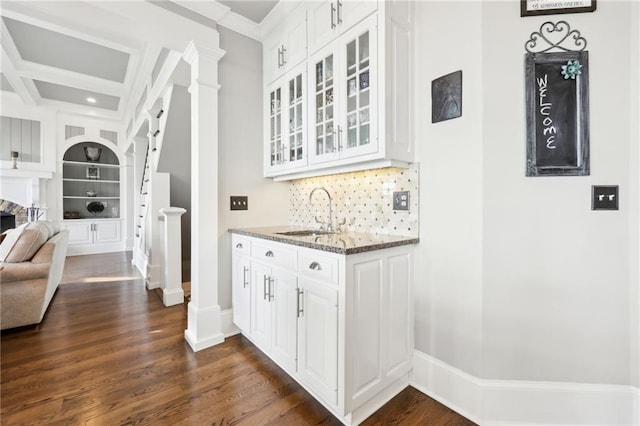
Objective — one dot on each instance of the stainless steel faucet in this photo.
(330, 224)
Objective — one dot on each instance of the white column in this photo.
(204, 320)
(172, 293)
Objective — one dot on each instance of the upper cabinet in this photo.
(286, 46)
(345, 87)
(328, 19)
(352, 110)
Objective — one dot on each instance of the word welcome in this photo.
(545, 111)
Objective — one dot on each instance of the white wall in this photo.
(175, 158)
(519, 283)
(240, 151)
(556, 282)
(449, 275)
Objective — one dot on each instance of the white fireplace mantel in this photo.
(22, 186)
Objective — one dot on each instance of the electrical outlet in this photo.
(401, 200)
(604, 197)
(239, 202)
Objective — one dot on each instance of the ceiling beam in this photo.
(223, 16)
(62, 77)
(26, 89)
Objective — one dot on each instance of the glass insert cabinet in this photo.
(326, 108)
(287, 122)
(344, 104)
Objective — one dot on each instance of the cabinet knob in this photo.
(315, 266)
(269, 254)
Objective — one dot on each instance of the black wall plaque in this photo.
(557, 115)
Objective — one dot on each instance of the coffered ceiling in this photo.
(93, 57)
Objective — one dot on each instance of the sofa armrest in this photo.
(23, 271)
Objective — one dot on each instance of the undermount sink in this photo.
(305, 233)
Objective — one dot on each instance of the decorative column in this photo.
(172, 293)
(204, 319)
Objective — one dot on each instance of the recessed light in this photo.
(91, 100)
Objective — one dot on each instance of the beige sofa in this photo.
(31, 263)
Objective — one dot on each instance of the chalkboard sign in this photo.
(557, 99)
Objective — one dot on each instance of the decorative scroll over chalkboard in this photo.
(557, 103)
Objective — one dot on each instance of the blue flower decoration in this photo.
(571, 70)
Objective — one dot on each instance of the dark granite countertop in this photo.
(342, 243)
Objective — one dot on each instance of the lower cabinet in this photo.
(94, 236)
(342, 326)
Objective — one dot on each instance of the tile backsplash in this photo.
(363, 200)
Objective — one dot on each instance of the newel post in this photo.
(172, 293)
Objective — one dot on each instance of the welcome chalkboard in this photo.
(557, 103)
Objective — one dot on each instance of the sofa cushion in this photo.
(21, 244)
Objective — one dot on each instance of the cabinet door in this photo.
(287, 106)
(284, 298)
(358, 75)
(241, 287)
(323, 26)
(323, 142)
(106, 232)
(328, 19)
(286, 47)
(261, 328)
(318, 339)
(295, 131)
(275, 150)
(79, 232)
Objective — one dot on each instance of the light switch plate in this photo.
(604, 197)
(239, 202)
(401, 200)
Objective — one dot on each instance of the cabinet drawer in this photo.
(241, 245)
(318, 266)
(274, 254)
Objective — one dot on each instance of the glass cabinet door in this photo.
(358, 83)
(276, 148)
(324, 141)
(296, 129)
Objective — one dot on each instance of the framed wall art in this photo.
(446, 97)
(553, 7)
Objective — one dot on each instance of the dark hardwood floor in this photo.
(109, 353)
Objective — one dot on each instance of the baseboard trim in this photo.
(519, 402)
(228, 327)
(448, 385)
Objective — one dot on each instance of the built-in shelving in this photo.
(81, 176)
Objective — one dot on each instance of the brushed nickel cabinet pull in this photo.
(264, 288)
(245, 281)
(299, 307)
(315, 266)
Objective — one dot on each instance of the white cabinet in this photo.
(241, 283)
(274, 301)
(341, 325)
(345, 103)
(285, 147)
(318, 338)
(286, 46)
(93, 236)
(328, 19)
(91, 184)
(359, 93)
